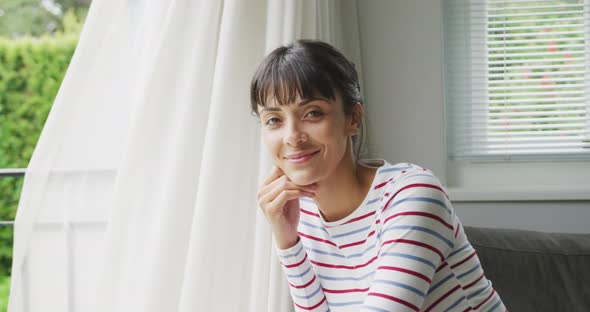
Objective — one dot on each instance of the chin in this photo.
(300, 177)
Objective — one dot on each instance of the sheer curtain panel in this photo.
(141, 192)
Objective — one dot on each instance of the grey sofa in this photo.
(535, 271)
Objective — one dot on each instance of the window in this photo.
(517, 96)
(35, 48)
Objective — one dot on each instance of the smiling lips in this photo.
(301, 157)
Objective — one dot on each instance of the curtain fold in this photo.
(141, 192)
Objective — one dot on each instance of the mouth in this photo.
(303, 159)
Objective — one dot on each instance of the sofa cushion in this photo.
(535, 271)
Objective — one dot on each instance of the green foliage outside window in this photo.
(31, 71)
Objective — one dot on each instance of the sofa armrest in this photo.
(535, 271)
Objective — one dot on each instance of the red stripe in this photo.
(356, 243)
(473, 283)
(442, 298)
(312, 307)
(360, 218)
(398, 300)
(309, 213)
(387, 204)
(463, 261)
(419, 275)
(412, 242)
(423, 214)
(486, 300)
(295, 264)
(317, 238)
(380, 185)
(444, 264)
(343, 291)
(337, 266)
(468, 309)
(304, 285)
(457, 231)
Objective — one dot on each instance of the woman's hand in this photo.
(278, 197)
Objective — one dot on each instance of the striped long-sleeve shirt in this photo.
(402, 249)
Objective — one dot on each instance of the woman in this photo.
(353, 234)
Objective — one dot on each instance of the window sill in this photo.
(539, 193)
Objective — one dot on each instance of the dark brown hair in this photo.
(307, 68)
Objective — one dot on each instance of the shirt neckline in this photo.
(362, 207)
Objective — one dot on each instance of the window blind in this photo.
(517, 80)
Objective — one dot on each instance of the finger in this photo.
(291, 185)
(275, 172)
(269, 192)
(268, 186)
(279, 202)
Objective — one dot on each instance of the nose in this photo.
(295, 135)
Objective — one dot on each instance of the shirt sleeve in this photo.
(416, 236)
(304, 286)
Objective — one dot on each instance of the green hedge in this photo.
(31, 71)
(4, 292)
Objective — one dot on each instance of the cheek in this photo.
(333, 134)
(272, 141)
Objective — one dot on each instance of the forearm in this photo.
(304, 285)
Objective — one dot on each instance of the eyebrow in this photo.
(306, 101)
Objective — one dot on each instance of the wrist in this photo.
(287, 243)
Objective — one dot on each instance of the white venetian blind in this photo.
(517, 79)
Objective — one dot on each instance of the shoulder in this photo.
(414, 187)
(409, 174)
(415, 209)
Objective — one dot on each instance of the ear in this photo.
(355, 120)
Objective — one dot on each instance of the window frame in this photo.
(513, 180)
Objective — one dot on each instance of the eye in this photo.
(268, 122)
(319, 113)
(314, 113)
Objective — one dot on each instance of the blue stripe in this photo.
(495, 306)
(352, 232)
(458, 250)
(310, 295)
(394, 169)
(362, 253)
(373, 200)
(455, 304)
(421, 229)
(293, 255)
(330, 278)
(435, 286)
(322, 252)
(396, 254)
(343, 304)
(412, 289)
(416, 175)
(426, 199)
(480, 291)
(299, 275)
(314, 226)
(469, 272)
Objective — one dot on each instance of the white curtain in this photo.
(141, 192)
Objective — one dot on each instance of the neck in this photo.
(341, 193)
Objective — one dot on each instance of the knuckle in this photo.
(284, 184)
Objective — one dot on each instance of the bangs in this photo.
(287, 76)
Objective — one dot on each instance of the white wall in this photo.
(401, 51)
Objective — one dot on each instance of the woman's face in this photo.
(316, 125)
